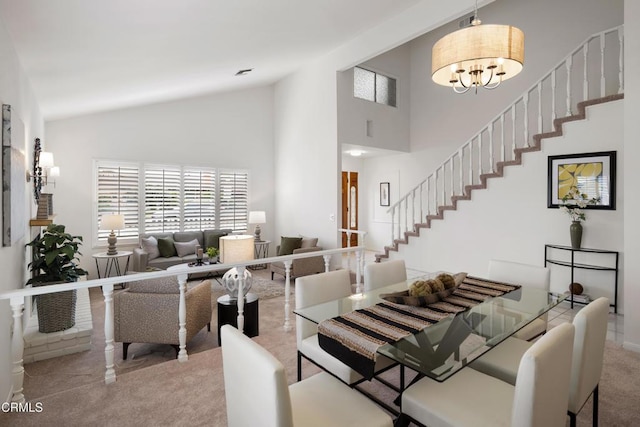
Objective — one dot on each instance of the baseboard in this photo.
(631, 346)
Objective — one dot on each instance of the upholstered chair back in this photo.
(316, 289)
(255, 383)
(542, 385)
(588, 351)
(379, 274)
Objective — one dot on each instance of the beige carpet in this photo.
(192, 393)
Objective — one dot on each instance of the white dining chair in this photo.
(317, 289)
(379, 274)
(525, 275)
(588, 353)
(256, 392)
(471, 398)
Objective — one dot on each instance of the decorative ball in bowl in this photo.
(231, 281)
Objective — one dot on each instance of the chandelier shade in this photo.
(480, 55)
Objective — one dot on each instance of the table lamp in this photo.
(257, 218)
(112, 222)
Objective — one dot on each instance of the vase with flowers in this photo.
(573, 204)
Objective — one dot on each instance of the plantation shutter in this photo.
(162, 196)
(234, 200)
(199, 199)
(117, 193)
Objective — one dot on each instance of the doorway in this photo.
(350, 206)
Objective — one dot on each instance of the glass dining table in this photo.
(442, 349)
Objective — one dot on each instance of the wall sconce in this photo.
(43, 169)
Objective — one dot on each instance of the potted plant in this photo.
(54, 256)
(213, 254)
(573, 204)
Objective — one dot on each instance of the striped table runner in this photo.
(354, 338)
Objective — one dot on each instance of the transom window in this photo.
(167, 198)
(374, 87)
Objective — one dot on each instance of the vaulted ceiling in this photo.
(83, 56)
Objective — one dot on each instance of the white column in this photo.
(17, 350)
(348, 253)
(327, 262)
(287, 292)
(359, 259)
(182, 318)
(241, 270)
(110, 373)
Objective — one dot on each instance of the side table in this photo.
(261, 250)
(112, 264)
(228, 314)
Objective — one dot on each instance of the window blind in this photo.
(117, 192)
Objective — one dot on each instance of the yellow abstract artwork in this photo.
(570, 174)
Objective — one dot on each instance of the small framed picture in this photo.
(384, 194)
(593, 174)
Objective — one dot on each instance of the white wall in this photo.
(510, 219)
(630, 194)
(231, 130)
(390, 125)
(16, 91)
(306, 134)
(552, 30)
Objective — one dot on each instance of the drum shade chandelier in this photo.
(479, 55)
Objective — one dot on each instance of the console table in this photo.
(572, 264)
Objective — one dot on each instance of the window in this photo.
(169, 198)
(374, 87)
(118, 193)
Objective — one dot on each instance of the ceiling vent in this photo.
(244, 72)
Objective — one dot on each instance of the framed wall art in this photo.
(384, 194)
(594, 174)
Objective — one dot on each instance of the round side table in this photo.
(228, 314)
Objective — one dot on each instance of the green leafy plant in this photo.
(55, 253)
(212, 252)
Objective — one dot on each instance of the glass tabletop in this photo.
(444, 348)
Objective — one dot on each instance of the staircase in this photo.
(580, 80)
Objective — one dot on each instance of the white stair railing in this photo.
(593, 70)
(17, 298)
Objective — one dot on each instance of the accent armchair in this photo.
(147, 312)
(304, 266)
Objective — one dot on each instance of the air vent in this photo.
(466, 21)
(244, 72)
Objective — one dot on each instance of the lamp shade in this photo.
(46, 159)
(478, 47)
(236, 249)
(112, 222)
(257, 217)
(54, 172)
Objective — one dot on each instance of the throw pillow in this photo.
(166, 247)
(150, 246)
(289, 244)
(186, 248)
(309, 242)
(212, 238)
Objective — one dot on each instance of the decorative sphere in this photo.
(576, 288)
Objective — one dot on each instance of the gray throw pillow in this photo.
(289, 244)
(309, 242)
(166, 247)
(186, 248)
(150, 246)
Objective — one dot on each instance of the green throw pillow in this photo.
(166, 247)
(289, 244)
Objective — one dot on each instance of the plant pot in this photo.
(57, 311)
(575, 230)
